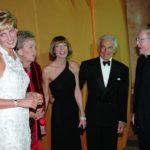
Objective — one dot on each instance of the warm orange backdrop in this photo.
(82, 22)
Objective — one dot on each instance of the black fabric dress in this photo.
(65, 114)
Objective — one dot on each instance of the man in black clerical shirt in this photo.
(106, 107)
(141, 98)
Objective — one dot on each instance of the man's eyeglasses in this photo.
(142, 39)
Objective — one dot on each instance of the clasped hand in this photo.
(34, 99)
(82, 124)
(38, 114)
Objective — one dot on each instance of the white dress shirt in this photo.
(105, 70)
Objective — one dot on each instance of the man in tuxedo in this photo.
(106, 107)
(141, 98)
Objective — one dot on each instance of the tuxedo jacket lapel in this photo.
(99, 75)
(112, 75)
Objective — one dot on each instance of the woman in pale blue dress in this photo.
(14, 102)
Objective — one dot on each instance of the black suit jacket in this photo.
(141, 98)
(105, 105)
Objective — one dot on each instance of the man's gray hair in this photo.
(109, 37)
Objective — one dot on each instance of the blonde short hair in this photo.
(7, 20)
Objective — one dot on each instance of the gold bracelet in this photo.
(16, 103)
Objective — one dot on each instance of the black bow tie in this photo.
(106, 62)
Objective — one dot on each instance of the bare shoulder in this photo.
(47, 72)
(47, 68)
(74, 66)
(50, 67)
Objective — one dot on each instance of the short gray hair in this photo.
(22, 36)
(146, 29)
(108, 37)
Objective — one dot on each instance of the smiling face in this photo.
(143, 43)
(106, 49)
(8, 38)
(60, 47)
(8, 30)
(61, 50)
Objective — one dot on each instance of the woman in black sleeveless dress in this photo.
(61, 77)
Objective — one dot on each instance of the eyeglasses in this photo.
(142, 39)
